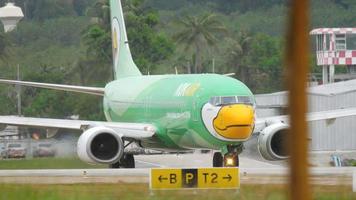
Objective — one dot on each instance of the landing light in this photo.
(230, 161)
(149, 129)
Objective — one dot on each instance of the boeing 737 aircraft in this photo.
(167, 112)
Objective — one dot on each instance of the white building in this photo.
(326, 135)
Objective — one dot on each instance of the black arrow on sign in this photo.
(160, 178)
(228, 177)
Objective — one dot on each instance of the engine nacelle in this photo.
(271, 142)
(100, 145)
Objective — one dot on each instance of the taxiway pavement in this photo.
(251, 171)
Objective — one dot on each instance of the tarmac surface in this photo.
(251, 172)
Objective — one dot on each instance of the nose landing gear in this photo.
(230, 159)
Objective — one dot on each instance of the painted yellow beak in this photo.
(235, 121)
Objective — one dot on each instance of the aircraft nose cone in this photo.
(235, 121)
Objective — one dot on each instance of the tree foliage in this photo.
(4, 42)
(69, 42)
(148, 46)
(199, 33)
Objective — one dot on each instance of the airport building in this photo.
(10, 133)
(326, 135)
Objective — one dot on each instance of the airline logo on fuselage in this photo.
(187, 89)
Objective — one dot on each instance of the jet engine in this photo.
(100, 145)
(272, 142)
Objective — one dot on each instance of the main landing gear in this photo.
(230, 159)
(127, 161)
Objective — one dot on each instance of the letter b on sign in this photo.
(173, 178)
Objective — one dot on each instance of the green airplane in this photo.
(166, 112)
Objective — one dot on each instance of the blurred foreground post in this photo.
(297, 69)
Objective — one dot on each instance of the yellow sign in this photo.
(167, 179)
(203, 178)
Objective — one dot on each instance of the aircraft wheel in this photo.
(217, 159)
(115, 165)
(127, 161)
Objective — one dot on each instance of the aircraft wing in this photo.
(71, 88)
(127, 130)
(261, 123)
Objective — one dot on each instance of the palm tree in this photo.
(238, 54)
(199, 32)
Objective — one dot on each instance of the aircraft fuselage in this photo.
(173, 103)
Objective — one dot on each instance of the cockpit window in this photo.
(245, 100)
(214, 100)
(228, 100)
